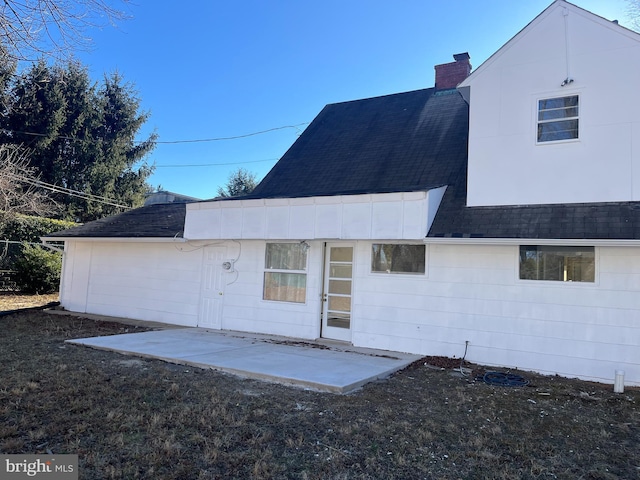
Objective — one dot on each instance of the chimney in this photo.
(449, 75)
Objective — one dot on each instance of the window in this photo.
(558, 119)
(562, 264)
(285, 277)
(397, 258)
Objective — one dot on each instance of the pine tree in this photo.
(81, 136)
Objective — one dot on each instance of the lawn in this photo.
(130, 417)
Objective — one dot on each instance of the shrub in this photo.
(38, 270)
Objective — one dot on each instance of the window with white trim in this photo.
(285, 276)
(397, 258)
(557, 263)
(558, 119)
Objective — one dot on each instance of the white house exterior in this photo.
(531, 255)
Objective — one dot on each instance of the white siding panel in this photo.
(76, 270)
(387, 221)
(154, 281)
(277, 222)
(388, 215)
(328, 221)
(356, 221)
(253, 222)
(302, 220)
(473, 293)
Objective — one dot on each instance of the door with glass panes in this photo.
(336, 297)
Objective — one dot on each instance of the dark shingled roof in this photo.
(154, 221)
(396, 143)
(597, 221)
(405, 142)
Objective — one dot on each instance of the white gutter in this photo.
(606, 242)
(116, 239)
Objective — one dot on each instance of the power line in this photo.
(172, 142)
(68, 191)
(215, 164)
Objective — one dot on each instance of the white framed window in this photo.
(285, 276)
(558, 119)
(557, 263)
(398, 258)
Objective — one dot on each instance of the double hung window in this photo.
(558, 119)
(285, 276)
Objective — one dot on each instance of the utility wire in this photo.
(68, 191)
(215, 164)
(167, 142)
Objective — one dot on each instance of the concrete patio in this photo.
(318, 365)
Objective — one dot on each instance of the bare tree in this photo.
(33, 28)
(19, 187)
(633, 13)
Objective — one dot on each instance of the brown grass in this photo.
(15, 301)
(132, 418)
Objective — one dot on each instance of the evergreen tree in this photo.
(240, 182)
(81, 136)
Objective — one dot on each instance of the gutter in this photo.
(605, 242)
(115, 239)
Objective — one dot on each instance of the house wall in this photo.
(468, 292)
(145, 281)
(506, 166)
(386, 215)
(244, 308)
(472, 292)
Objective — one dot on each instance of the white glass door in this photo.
(336, 297)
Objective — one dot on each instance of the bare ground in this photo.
(130, 417)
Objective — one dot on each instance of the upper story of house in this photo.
(554, 115)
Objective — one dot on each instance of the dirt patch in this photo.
(140, 418)
(16, 301)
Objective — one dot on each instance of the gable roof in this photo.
(396, 143)
(153, 221)
(603, 22)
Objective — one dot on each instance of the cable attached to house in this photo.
(461, 368)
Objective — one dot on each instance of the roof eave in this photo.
(116, 239)
(602, 242)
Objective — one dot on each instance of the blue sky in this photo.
(211, 69)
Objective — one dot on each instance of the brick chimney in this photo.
(449, 75)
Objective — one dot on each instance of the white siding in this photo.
(506, 167)
(244, 308)
(473, 293)
(146, 281)
(387, 215)
(468, 292)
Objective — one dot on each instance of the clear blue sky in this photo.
(213, 68)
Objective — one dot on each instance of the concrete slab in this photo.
(324, 366)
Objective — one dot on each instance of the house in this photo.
(498, 211)
(163, 196)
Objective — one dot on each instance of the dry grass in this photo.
(132, 418)
(15, 301)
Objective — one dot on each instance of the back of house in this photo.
(499, 209)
